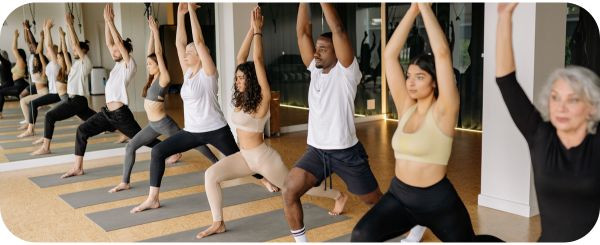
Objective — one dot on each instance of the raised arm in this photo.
(73, 36)
(505, 61)
(341, 42)
(164, 73)
(181, 35)
(117, 40)
(242, 55)
(108, 39)
(15, 49)
(29, 38)
(522, 111)
(207, 62)
(48, 38)
(304, 34)
(150, 49)
(40, 53)
(393, 68)
(448, 100)
(63, 47)
(259, 64)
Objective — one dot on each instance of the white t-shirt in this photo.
(331, 106)
(201, 109)
(119, 78)
(52, 69)
(77, 82)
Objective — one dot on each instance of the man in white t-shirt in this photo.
(116, 114)
(332, 143)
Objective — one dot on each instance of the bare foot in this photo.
(270, 186)
(41, 151)
(148, 204)
(340, 203)
(23, 127)
(216, 228)
(25, 134)
(120, 187)
(38, 141)
(122, 139)
(173, 158)
(72, 173)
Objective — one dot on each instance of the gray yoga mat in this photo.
(346, 238)
(139, 188)
(50, 180)
(40, 125)
(119, 218)
(11, 136)
(257, 228)
(63, 151)
(55, 140)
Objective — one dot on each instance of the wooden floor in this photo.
(36, 214)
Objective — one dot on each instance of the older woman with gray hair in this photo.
(562, 139)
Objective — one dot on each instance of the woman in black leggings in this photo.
(562, 137)
(204, 121)
(428, 102)
(18, 74)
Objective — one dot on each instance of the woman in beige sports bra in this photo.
(428, 102)
(251, 100)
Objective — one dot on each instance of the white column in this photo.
(539, 46)
(232, 24)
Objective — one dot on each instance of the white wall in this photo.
(55, 11)
(539, 41)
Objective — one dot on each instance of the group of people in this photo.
(561, 135)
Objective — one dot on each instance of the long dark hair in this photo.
(37, 63)
(426, 62)
(24, 57)
(62, 72)
(250, 98)
(150, 76)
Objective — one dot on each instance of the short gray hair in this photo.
(584, 82)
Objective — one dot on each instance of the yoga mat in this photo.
(50, 180)
(63, 151)
(39, 132)
(40, 125)
(55, 140)
(346, 238)
(119, 218)
(139, 188)
(257, 228)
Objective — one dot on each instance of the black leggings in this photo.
(182, 141)
(105, 120)
(14, 90)
(75, 106)
(437, 207)
(43, 100)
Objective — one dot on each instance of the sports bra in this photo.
(427, 145)
(246, 122)
(38, 78)
(17, 71)
(156, 92)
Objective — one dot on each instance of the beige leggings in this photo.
(27, 99)
(261, 159)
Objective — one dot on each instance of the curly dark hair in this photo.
(250, 98)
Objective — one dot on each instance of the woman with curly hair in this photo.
(204, 121)
(251, 100)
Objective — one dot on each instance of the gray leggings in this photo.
(165, 126)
